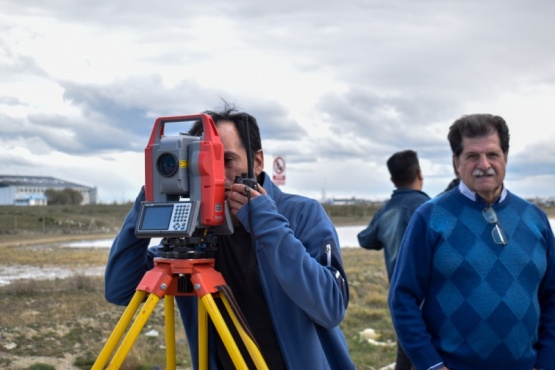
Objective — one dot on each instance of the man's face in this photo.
(235, 154)
(482, 165)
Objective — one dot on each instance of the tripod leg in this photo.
(251, 346)
(170, 332)
(116, 335)
(223, 331)
(134, 331)
(202, 336)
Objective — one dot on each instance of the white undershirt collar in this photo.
(472, 195)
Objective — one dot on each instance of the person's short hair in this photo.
(477, 125)
(403, 167)
(239, 119)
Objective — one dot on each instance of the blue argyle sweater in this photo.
(459, 298)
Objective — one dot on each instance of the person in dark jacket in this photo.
(289, 283)
(387, 227)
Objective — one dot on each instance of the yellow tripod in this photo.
(163, 281)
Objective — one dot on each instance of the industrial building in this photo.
(29, 190)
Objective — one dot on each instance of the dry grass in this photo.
(65, 322)
(367, 308)
(53, 319)
(53, 255)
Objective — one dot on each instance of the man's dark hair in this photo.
(240, 119)
(403, 167)
(477, 125)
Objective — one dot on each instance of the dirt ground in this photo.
(65, 363)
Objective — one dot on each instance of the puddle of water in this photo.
(347, 239)
(10, 273)
(100, 243)
(19, 272)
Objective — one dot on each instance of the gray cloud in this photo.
(9, 100)
(400, 73)
(385, 123)
(15, 66)
(534, 160)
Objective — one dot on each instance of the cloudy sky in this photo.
(337, 86)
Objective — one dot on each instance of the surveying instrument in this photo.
(185, 205)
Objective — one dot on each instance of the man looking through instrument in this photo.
(289, 284)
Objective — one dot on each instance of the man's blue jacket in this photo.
(300, 269)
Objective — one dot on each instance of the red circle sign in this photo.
(279, 165)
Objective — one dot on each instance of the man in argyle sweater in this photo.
(474, 286)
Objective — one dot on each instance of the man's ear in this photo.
(456, 163)
(258, 163)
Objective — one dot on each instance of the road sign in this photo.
(279, 170)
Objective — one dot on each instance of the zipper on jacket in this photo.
(328, 254)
